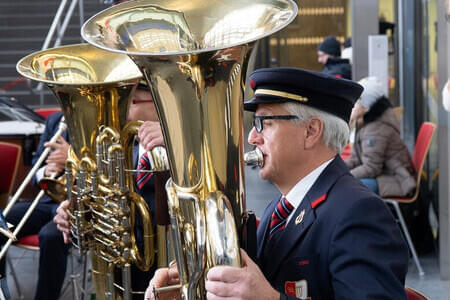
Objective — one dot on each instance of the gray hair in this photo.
(336, 130)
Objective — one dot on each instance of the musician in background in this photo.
(328, 236)
(148, 186)
(53, 251)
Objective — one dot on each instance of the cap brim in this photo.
(252, 104)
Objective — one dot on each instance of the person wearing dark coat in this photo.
(148, 190)
(149, 136)
(329, 55)
(52, 250)
(150, 185)
(379, 157)
(328, 236)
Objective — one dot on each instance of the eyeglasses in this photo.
(258, 120)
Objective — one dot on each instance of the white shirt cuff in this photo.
(40, 174)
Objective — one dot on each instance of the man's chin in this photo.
(263, 174)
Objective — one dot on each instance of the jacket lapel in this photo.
(135, 154)
(55, 127)
(305, 215)
(263, 227)
(65, 136)
(290, 235)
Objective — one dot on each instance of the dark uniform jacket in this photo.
(51, 127)
(139, 278)
(338, 67)
(341, 243)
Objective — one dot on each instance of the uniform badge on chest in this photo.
(299, 218)
(297, 289)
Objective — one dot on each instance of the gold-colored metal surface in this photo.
(88, 83)
(94, 89)
(54, 188)
(194, 56)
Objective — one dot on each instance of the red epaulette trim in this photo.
(318, 201)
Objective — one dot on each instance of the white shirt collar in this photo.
(298, 192)
(141, 151)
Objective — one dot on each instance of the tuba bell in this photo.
(93, 88)
(194, 55)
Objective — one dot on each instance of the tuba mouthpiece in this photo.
(254, 158)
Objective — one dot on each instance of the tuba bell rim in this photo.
(25, 69)
(89, 34)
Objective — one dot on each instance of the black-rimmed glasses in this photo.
(258, 120)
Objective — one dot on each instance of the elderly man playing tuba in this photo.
(328, 236)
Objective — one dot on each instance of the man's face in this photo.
(280, 141)
(142, 106)
(322, 57)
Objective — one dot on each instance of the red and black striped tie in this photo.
(279, 216)
(144, 165)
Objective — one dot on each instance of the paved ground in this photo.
(26, 264)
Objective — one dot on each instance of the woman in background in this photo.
(379, 157)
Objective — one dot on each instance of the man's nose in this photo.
(254, 137)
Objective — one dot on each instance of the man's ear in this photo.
(314, 132)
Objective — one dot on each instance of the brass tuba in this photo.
(94, 87)
(194, 55)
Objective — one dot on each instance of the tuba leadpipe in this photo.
(194, 56)
(94, 88)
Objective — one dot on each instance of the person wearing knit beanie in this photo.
(328, 54)
(331, 46)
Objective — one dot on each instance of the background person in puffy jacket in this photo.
(379, 157)
(329, 55)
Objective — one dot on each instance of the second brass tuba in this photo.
(93, 88)
(194, 56)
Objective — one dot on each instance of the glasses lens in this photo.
(258, 124)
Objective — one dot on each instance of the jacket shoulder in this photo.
(55, 117)
(347, 191)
